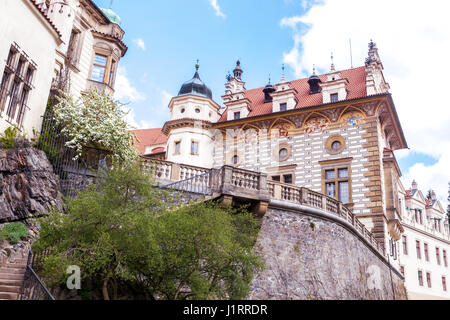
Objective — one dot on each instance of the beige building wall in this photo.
(21, 23)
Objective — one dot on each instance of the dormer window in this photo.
(283, 107)
(237, 115)
(334, 97)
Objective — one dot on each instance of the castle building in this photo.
(425, 246)
(334, 133)
(328, 133)
(46, 45)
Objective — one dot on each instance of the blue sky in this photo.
(165, 38)
(176, 33)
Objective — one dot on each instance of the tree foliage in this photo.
(95, 120)
(121, 231)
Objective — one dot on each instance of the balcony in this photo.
(100, 86)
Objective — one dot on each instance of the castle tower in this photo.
(190, 138)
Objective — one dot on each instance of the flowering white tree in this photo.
(95, 120)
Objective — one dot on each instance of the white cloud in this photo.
(140, 44)
(216, 7)
(413, 41)
(124, 91)
(158, 115)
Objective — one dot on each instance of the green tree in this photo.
(122, 230)
(95, 120)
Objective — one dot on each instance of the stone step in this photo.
(9, 295)
(11, 271)
(12, 289)
(6, 282)
(15, 266)
(11, 277)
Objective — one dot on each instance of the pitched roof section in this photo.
(148, 137)
(40, 8)
(356, 89)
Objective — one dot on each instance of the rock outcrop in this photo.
(28, 185)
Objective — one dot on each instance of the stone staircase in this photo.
(11, 278)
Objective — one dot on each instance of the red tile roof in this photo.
(356, 89)
(148, 137)
(39, 6)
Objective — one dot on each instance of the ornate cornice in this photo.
(185, 122)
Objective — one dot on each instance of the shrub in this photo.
(14, 232)
(7, 138)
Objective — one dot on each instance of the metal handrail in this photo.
(32, 286)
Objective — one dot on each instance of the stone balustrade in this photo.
(309, 198)
(246, 184)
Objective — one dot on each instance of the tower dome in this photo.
(314, 83)
(195, 86)
(111, 15)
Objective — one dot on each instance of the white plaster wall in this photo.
(207, 111)
(20, 23)
(186, 135)
(412, 264)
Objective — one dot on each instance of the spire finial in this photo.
(332, 63)
(111, 4)
(269, 78)
(283, 77)
(314, 69)
(197, 65)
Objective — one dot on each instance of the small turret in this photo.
(238, 71)
(314, 83)
(268, 89)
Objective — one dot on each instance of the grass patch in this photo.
(14, 232)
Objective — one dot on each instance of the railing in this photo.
(74, 174)
(32, 287)
(306, 197)
(169, 171)
(248, 184)
(194, 188)
(245, 179)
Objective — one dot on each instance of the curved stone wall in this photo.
(311, 255)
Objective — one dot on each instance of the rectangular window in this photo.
(337, 183)
(429, 279)
(276, 178)
(237, 115)
(10, 62)
(334, 97)
(283, 106)
(444, 254)
(4, 90)
(112, 73)
(287, 178)
(99, 68)
(16, 85)
(14, 97)
(73, 45)
(405, 245)
(194, 148)
(425, 250)
(444, 283)
(419, 255)
(178, 147)
(438, 256)
(420, 278)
